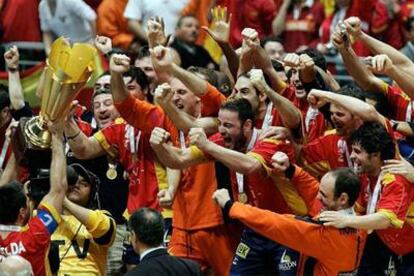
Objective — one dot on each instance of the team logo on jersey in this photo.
(286, 262)
(242, 250)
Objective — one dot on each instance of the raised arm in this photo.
(163, 59)
(220, 32)
(58, 179)
(353, 25)
(355, 106)
(290, 115)
(279, 23)
(234, 160)
(182, 120)
(11, 58)
(359, 71)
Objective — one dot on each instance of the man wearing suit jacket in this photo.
(147, 236)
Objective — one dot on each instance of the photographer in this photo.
(32, 242)
(86, 234)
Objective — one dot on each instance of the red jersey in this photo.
(133, 150)
(396, 202)
(386, 28)
(401, 106)
(32, 241)
(258, 15)
(337, 251)
(303, 29)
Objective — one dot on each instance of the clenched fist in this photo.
(280, 161)
(159, 136)
(12, 58)
(119, 63)
(221, 196)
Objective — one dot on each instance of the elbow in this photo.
(253, 166)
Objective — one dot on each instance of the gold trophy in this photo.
(67, 71)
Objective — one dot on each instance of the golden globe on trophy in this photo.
(67, 70)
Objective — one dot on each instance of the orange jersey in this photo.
(335, 250)
(396, 201)
(193, 208)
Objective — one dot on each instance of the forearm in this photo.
(10, 172)
(195, 84)
(231, 57)
(404, 80)
(47, 41)
(92, 25)
(169, 156)
(277, 84)
(15, 90)
(119, 91)
(355, 106)
(136, 28)
(78, 142)
(234, 160)
(173, 179)
(181, 119)
(279, 23)
(378, 47)
(359, 71)
(82, 214)
(374, 221)
(307, 74)
(290, 115)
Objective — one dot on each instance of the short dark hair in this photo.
(373, 137)
(381, 104)
(242, 107)
(12, 198)
(271, 39)
(148, 226)
(208, 73)
(143, 52)
(180, 20)
(4, 97)
(277, 65)
(346, 181)
(138, 75)
(317, 57)
(352, 90)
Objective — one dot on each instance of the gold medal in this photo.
(242, 198)
(111, 173)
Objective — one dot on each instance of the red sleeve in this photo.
(268, 147)
(380, 18)
(110, 137)
(141, 114)
(397, 101)
(394, 200)
(211, 102)
(267, 16)
(314, 157)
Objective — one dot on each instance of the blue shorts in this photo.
(257, 255)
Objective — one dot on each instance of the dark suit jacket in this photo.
(159, 262)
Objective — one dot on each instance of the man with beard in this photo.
(386, 200)
(235, 137)
(86, 232)
(198, 223)
(191, 54)
(32, 242)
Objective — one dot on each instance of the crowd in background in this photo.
(215, 137)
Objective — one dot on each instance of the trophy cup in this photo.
(67, 71)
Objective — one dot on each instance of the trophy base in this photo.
(37, 134)
(28, 154)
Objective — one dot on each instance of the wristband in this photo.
(12, 70)
(109, 54)
(73, 137)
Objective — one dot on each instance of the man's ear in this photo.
(344, 199)
(247, 125)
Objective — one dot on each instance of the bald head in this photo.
(16, 266)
